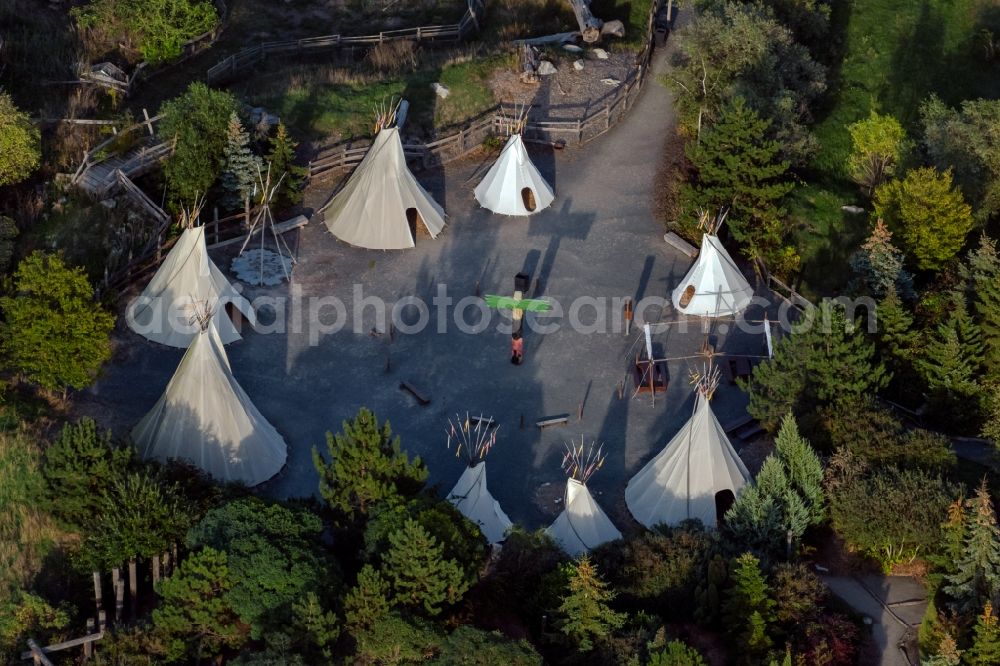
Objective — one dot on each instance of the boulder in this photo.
(600, 54)
(578, 65)
(853, 210)
(572, 48)
(613, 28)
(611, 82)
(440, 90)
(546, 68)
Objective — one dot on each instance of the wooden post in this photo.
(97, 591)
(621, 389)
(607, 116)
(579, 131)
(156, 569)
(579, 412)
(628, 315)
(102, 620)
(670, 10)
(522, 421)
(115, 577)
(149, 125)
(119, 600)
(133, 592)
(88, 647)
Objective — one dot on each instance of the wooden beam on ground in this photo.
(417, 393)
(545, 422)
(56, 647)
(279, 228)
(680, 244)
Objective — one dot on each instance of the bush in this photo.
(198, 119)
(20, 152)
(662, 567)
(137, 518)
(273, 555)
(467, 646)
(395, 640)
(873, 434)
(889, 514)
(798, 594)
(158, 28)
(54, 334)
(81, 466)
(677, 653)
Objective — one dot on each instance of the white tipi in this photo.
(714, 285)
(582, 525)
(205, 417)
(513, 186)
(187, 280)
(682, 480)
(382, 199)
(470, 495)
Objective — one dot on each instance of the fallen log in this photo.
(590, 25)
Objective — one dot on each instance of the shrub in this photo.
(394, 639)
(20, 151)
(54, 334)
(420, 575)
(273, 555)
(158, 28)
(798, 593)
(81, 466)
(677, 653)
(467, 645)
(889, 514)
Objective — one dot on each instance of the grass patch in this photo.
(825, 235)
(633, 13)
(897, 52)
(319, 103)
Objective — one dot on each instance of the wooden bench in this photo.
(737, 367)
(484, 420)
(419, 395)
(680, 244)
(640, 374)
(545, 422)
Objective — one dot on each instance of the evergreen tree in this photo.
(991, 424)
(946, 367)
(282, 161)
(53, 332)
(756, 522)
(823, 360)
(897, 341)
(241, 166)
(985, 650)
(368, 600)
(947, 654)
(773, 482)
(366, 467)
(983, 275)
(419, 574)
(584, 614)
(317, 629)
(928, 213)
(977, 572)
(880, 265)
(749, 609)
(739, 170)
(193, 619)
(802, 467)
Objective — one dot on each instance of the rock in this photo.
(613, 28)
(110, 204)
(440, 90)
(578, 65)
(546, 68)
(600, 54)
(611, 82)
(853, 210)
(572, 48)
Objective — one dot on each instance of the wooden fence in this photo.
(783, 290)
(577, 131)
(245, 58)
(96, 155)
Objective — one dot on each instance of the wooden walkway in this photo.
(100, 177)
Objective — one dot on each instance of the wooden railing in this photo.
(576, 131)
(96, 154)
(230, 67)
(783, 290)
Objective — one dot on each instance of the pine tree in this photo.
(897, 340)
(772, 481)
(802, 466)
(991, 422)
(977, 574)
(825, 359)
(756, 522)
(282, 161)
(985, 650)
(969, 335)
(418, 573)
(368, 601)
(317, 629)
(945, 367)
(241, 166)
(366, 467)
(584, 614)
(983, 276)
(739, 170)
(749, 610)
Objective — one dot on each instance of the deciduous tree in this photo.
(53, 332)
(878, 146)
(20, 150)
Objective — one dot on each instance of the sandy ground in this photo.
(600, 238)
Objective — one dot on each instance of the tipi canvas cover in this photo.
(186, 284)
(582, 525)
(714, 287)
(513, 185)
(375, 207)
(681, 481)
(471, 497)
(205, 417)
